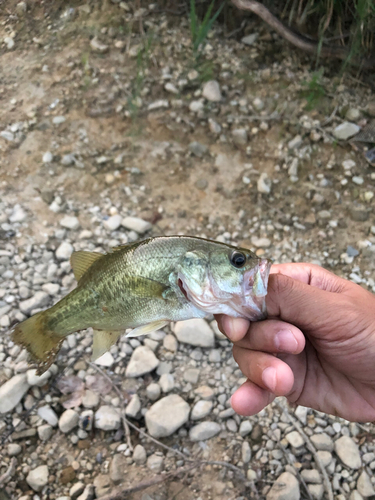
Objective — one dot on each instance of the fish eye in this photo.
(238, 259)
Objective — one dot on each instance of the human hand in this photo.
(317, 346)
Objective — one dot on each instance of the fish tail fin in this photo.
(41, 343)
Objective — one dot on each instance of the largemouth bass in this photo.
(144, 286)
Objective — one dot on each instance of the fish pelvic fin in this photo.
(146, 329)
(102, 342)
(41, 343)
(81, 261)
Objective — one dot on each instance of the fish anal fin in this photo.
(146, 329)
(103, 341)
(81, 261)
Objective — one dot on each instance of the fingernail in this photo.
(285, 341)
(269, 378)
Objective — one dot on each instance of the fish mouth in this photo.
(255, 285)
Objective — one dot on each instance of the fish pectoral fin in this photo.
(146, 329)
(81, 261)
(145, 288)
(103, 341)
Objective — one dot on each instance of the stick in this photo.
(298, 40)
(302, 481)
(311, 448)
(9, 473)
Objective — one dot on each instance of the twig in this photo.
(302, 481)
(311, 448)
(120, 493)
(125, 421)
(9, 473)
(298, 40)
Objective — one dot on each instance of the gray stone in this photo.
(155, 463)
(67, 160)
(76, 490)
(37, 478)
(48, 415)
(214, 127)
(88, 493)
(136, 224)
(245, 428)
(113, 223)
(198, 149)
(355, 495)
(105, 360)
(196, 106)
(240, 137)
(38, 300)
(170, 343)
(159, 104)
(286, 487)
(39, 380)
(64, 251)
(134, 407)
(70, 222)
(173, 406)
(45, 432)
(142, 361)
(153, 391)
(325, 457)
(98, 46)
(7, 135)
(214, 356)
(322, 441)
(204, 392)
(14, 449)
(118, 468)
(139, 455)
(102, 485)
(192, 375)
(258, 104)
(195, 332)
(47, 157)
(345, 130)
(311, 476)
(348, 452)
(250, 39)
(264, 184)
(166, 382)
(295, 143)
(68, 421)
(246, 452)
(107, 418)
(353, 114)
(201, 409)
(211, 91)
(90, 399)
(18, 215)
(295, 439)
(260, 242)
(358, 213)
(58, 120)
(12, 391)
(316, 491)
(364, 485)
(301, 414)
(204, 431)
(52, 289)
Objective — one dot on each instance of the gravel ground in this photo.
(108, 135)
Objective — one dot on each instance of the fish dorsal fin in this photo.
(81, 261)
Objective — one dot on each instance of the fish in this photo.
(143, 286)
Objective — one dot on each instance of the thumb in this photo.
(303, 305)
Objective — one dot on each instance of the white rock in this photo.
(201, 409)
(47, 157)
(70, 222)
(136, 224)
(346, 130)
(195, 332)
(105, 360)
(204, 431)
(64, 251)
(9, 41)
(48, 415)
(98, 46)
(260, 242)
(295, 439)
(58, 120)
(264, 184)
(113, 223)
(45, 432)
(240, 136)
(258, 104)
(301, 414)
(142, 361)
(364, 485)
(245, 428)
(107, 418)
(296, 142)
(14, 449)
(139, 455)
(153, 391)
(7, 135)
(355, 495)
(246, 452)
(170, 343)
(196, 106)
(214, 127)
(169, 87)
(18, 215)
(68, 421)
(250, 39)
(37, 478)
(134, 407)
(311, 476)
(39, 300)
(211, 91)
(166, 382)
(39, 380)
(51, 288)
(159, 104)
(67, 160)
(155, 463)
(353, 114)
(286, 487)
(322, 441)
(12, 391)
(348, 452)
(166, 416)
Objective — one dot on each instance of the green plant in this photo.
(199, 31)
(313, 90)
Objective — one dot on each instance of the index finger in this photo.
(311, 274)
